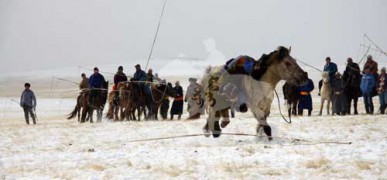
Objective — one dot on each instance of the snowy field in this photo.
(57, 148)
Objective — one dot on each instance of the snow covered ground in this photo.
(57, 148)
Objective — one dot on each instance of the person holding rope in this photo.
(28, 103)
(96, 81)
(120, 76)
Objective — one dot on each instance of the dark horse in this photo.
(155, 99)
(78, 107)
(137, 101)
(352, 80)
(96, 102)
(290, 92)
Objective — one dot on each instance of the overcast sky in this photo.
(52, 33)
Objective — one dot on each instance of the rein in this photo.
(279, 107)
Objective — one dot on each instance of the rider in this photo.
(331, 68)
(141, 77)
(120, 76)
(96, 81)
(84, 84)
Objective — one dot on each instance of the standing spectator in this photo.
(382, 90)
(165, 103)
(367, 86)
(331, 68)
(194, 99)
(305, 99)
(28, 103)
(339, 99)
(177, 105)
(371, 65)
(84, 84)
(120, 76)
(352, 79)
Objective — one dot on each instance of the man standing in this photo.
(120, 76)
(28, 103)
(372, 66)
(339, 101)
(194, 99)
(382, 90)
(352, 79)
(96, 81)
(305, 99)
(177, 105)
(331, 68)
(367, 86)
(84, 84)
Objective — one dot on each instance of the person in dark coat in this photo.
(382, 90)
(141, 76)
(305, 99)
(178, 102)
(352, 79)
(164, 103)
(96, 81)
(339, 99)
(331, 68)
(28, 103)
(367, 87)
(120, 76)
(371, 65)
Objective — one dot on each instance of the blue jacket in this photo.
(140, 76)
(96, 80)
(368, 83)
(331, 68)
(307, 87)
(28, 99)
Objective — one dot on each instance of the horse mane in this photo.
(266, 60)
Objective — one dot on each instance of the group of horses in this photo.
(258, 87)
(131, 98)
(351, 90)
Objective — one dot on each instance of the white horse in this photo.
(258, 89)
(326, 92)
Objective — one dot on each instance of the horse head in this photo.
(285, 66)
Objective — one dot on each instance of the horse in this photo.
(290, 92)
(257, 86)
(77, 109)
(326, 92)
(137, 101)
(158, 93)
(96, 102)
(123, 89)
(352, 80)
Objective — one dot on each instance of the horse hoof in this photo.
(270, 138)
(217, 131)
(224, 124)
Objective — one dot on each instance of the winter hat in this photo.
(27, 84)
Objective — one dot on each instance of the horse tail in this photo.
(75, 111)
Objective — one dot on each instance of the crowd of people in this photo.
(368, 81)
(365, 83)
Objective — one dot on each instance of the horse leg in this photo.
(262, 123)
(212, 124)
(321, 106)
(91, 112)
(99, 114)
(349, 101)
(329, 106)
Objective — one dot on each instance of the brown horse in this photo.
(137, 102)
(96, 102)
(123, 90)
(258, 88)
(78, 107)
